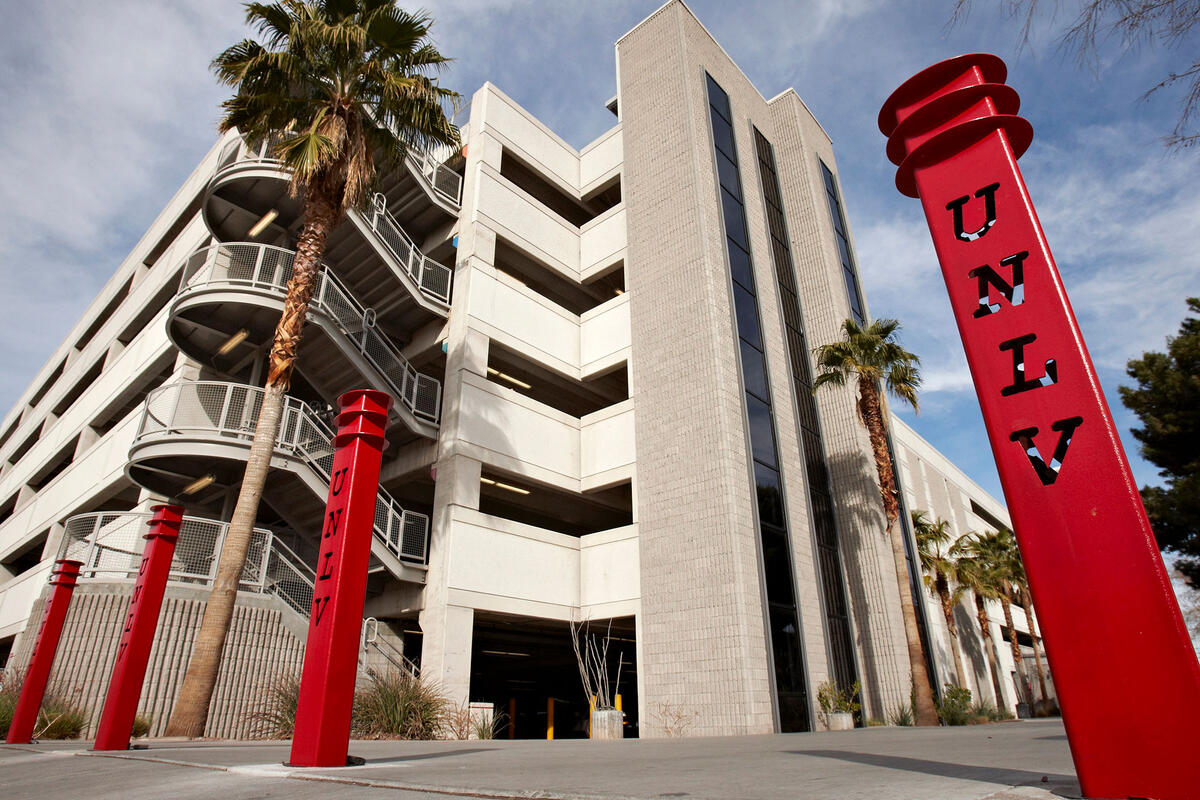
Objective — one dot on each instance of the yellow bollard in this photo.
(591, 708)
(549, 717)
(618, 698)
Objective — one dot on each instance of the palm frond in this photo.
(320, 72)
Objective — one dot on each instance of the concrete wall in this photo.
(266, 642)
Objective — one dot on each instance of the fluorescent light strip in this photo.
(199, 483)
(262, 224)
(500, 485)
(232, 342)
(509, 378)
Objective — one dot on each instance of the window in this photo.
(849, 271)
(774, 540)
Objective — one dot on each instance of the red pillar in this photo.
(322, 736)
(141, 621)
(1127, 677)
(33, 689)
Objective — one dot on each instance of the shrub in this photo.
(486, 727)
(59, 717)
(277, 719)
(141, 726)
(902, 716)
(955, 706)
(875, 723)
(397, 705)
(834, 700)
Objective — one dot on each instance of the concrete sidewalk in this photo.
(1005, 761)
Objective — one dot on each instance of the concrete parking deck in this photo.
(1007, 761)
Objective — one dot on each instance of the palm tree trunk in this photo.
(1027, 601)
(943, 590)
(1015, 645)
(190, 713)
(872, 415)
(989, 645)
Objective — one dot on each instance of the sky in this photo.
(110, 105)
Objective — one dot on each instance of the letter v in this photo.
(1048, 473)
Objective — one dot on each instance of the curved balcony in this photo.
(110, 546)
(205, 428)
(229, 288)
(251, 185)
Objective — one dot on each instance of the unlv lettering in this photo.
(1021, 380)
(331, 525)
(1048, 473)
(988, 193)
(1014, 293)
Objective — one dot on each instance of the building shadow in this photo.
(860, 515)
(944, 769)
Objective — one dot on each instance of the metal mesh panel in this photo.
(227, 410)
(270, 268)
(110, 545)
(427, 397)
(406, 252)
(413, 536)
(106, 543)
(436, 279)
(448, 183)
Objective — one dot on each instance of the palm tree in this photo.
(999, 549)
(975, 575)
(933, 550)
(1021, 586)
(872, 356)
(336, 84)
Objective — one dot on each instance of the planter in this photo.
(840, 721)
(608, 723)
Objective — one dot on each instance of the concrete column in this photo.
(114, 352)
(53, 541)
(446, 649)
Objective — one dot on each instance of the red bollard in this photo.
(33, 689)
(141, 621)
(322, 735)
(1127, 677)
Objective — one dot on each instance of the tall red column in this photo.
(137, 636)
(322, 736)
(1127, 678)
(33, 689)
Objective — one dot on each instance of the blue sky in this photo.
(110, 105)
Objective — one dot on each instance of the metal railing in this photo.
(212, 409)
(110, 544)
(369, 637)
(268, 268)
(433, 278)
(444, 180)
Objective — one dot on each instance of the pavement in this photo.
(1025, 760)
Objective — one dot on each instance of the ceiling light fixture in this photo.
(200, 483)
(232, 342)
(262, 224)
(509, 378)
(500, 485)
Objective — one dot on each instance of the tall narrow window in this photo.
(849, 271)
(833, 589)
(783, 618)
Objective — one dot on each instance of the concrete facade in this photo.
(570, 440)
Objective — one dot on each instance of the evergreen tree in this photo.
(1167, 401)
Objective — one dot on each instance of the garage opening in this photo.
(525, 667)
